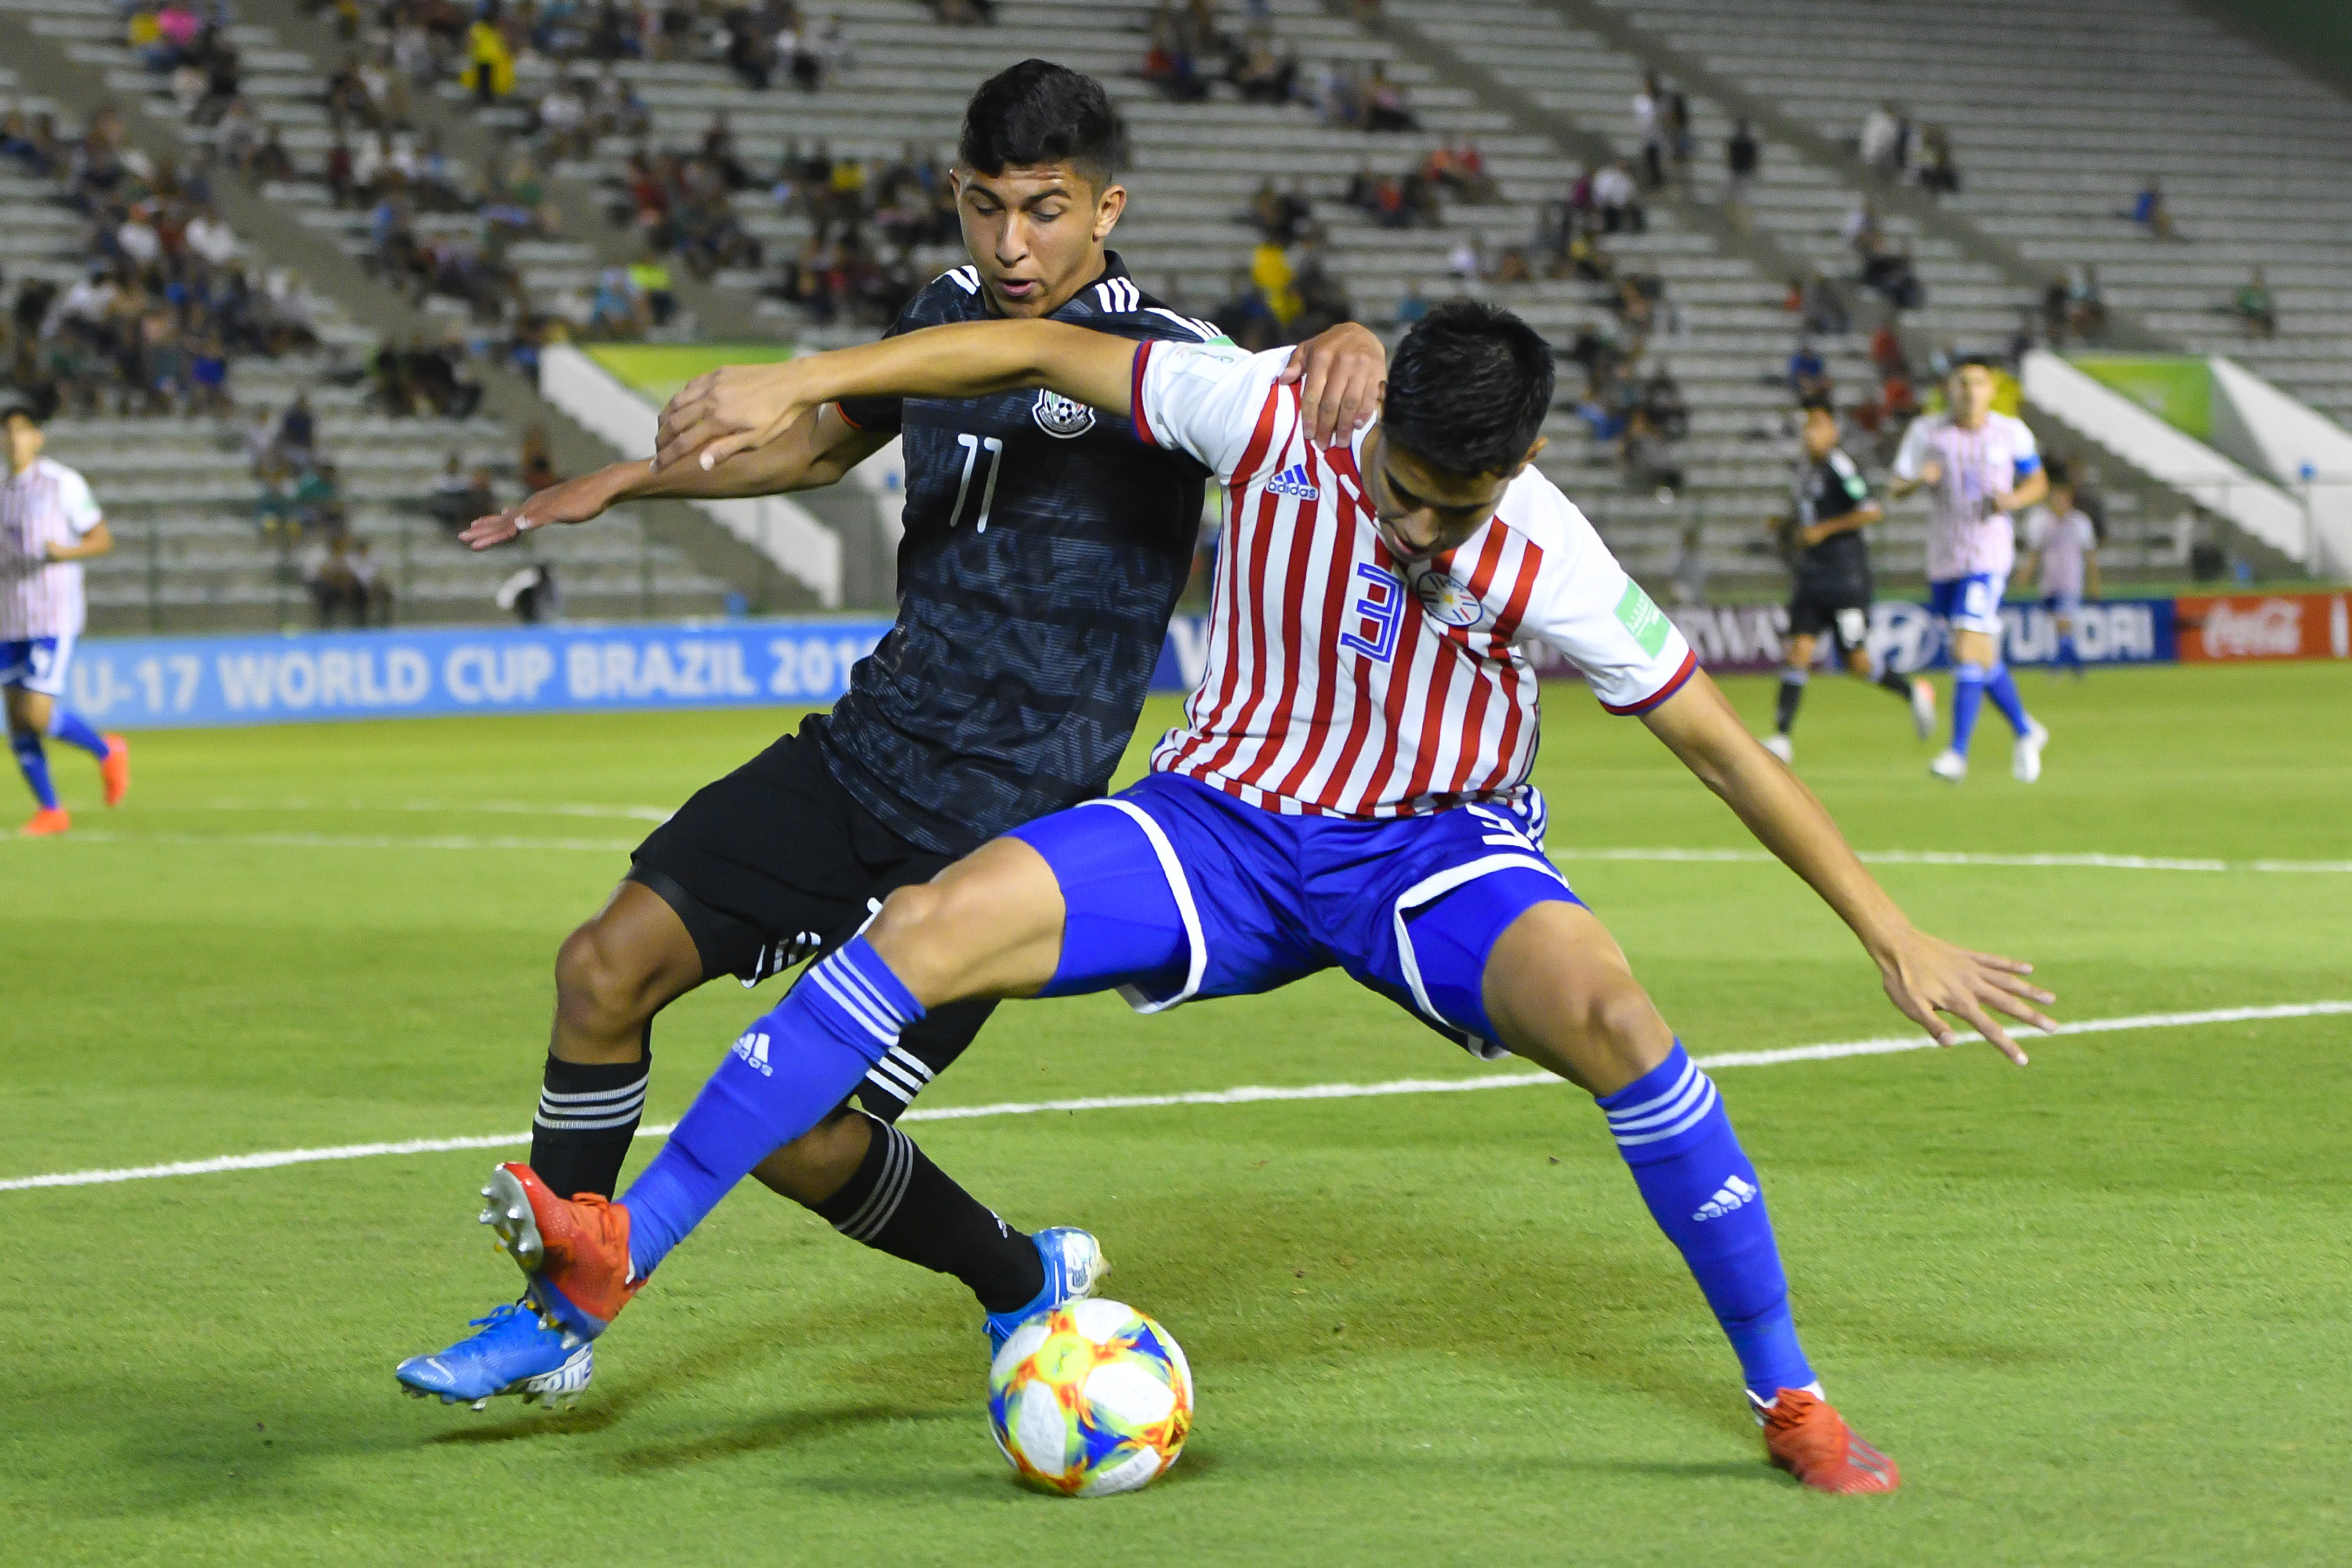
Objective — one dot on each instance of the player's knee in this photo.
(1619, 1027)
(602, 983)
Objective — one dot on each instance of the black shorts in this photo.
(1844, 612)
(777, 863)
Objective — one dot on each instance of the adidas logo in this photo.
(754, 1049)
(1734, 1194)
(1293, 482)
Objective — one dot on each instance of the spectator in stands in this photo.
(451, 500)
(1261, 76)
(1340, 98)
(1411, 306)
(1458, 166)
(1172, 62)
(1618, 200)
(2254, 307)
(1245, 316)
(2086, 303)
(1742, 160)
(1937, 170)
(1881, 144)
(965, 13)
(1808, 375)
(1663, 403)
(531, 595)
(1649, 129)
(1647, 457)
(1385, 105)
(1888, 269)
(333, 586)
(2149, 210)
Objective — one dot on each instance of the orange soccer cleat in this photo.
(47, 822)
(575, 1250)
(115, 769)
(1808, 1439)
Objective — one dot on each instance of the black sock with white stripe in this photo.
(588, 1113)
(901, 1204)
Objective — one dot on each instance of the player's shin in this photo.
(786, 1072)
(2001, 688)
(898, 1202)
(34, 764)
(1968, 696)
(1792, 692)
(588, 1116)
(70, 727)
(1671, 1128)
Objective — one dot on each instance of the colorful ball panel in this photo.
(1090, 1399)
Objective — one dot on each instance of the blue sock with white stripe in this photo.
(2001, 688)
(787, 1073)
(70, 727)
(1670, 1125)
(1968, 693)
(34, 764)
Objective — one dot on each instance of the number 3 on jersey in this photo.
(973, 446)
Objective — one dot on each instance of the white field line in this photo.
(1564, 854)
(1244, 1095)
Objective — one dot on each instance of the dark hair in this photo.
(1818, 402)
(23, 411)
(1469, 388)
(1981, 361)
(1038, 113)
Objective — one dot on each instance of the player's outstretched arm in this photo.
(743, 407)
(819, 449)
(1925, 975)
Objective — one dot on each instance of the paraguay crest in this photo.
(1447, 601)
(1059, 415)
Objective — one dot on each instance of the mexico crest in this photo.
(1059, 415)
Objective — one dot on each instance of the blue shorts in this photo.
(1970, 604)
(36, 664)
(1175, 890)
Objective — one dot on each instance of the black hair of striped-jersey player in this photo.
(1036, 113)
(1468, 389)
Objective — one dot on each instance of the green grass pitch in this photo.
(2097, 1309)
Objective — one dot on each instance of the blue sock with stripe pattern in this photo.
(70, 727)
(34, 764)
(1670, 1125)
(1967, 695)
(786, 1073)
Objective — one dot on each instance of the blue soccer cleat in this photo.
(1074, 1264)
(514, 1354)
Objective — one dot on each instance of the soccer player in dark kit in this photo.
(1044, 551)
(1831, 562)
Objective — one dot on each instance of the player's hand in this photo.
(574, 500)
(1926, 976)
(1931, 473)
(728, 410)
(1340, 375)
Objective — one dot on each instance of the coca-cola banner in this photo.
(2267, 625)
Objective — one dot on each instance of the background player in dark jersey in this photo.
(1831, 562)
(1043, 553)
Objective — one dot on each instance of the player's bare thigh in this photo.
(988, 925)
(28, 710)
(630, 960)
(1560, 994)
(1973, 648)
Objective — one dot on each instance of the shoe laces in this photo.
(499, 1314)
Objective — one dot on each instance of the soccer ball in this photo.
(1090, 1399)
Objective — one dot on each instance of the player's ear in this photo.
(1107, 208)
(1521, 467)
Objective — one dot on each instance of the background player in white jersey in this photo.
(1977, 468)
(1348, 791)
(1830, 562)
(2061, 559)
(49, 524)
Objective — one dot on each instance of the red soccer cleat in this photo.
(1810, 1440)
(47, 822)
(575, 1251)
(115, 769)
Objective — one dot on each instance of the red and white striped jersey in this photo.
(1967, 533)
(1342, 681)
(46, 504)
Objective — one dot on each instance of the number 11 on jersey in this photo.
(973, 446)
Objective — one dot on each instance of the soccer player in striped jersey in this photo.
(1349, 789)
(49, 524)
(1977, 467)
(2061, 559)
(1045, 550)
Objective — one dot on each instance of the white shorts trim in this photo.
(1181, 888)
(1431, 889)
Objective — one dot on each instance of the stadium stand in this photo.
(2060, 117)
(229, 419)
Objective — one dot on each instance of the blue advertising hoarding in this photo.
(129, 683)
